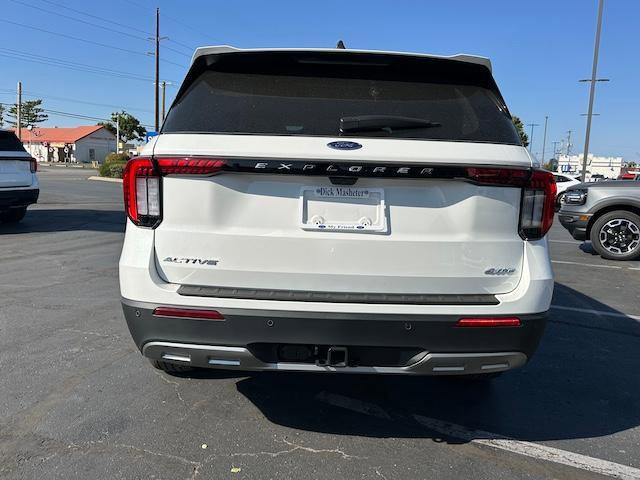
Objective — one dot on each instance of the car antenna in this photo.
(340, 45)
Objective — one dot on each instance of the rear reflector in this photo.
(489, 322)
(188, 313)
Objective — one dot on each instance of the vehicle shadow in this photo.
(583, 382)
(65, 220)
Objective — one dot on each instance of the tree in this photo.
(31, 114)
(130, 128)
(520, 128)
(1, 115)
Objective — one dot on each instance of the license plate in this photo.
(342, 208)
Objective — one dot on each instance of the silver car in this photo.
(608, 214)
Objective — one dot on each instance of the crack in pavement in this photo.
(295, 447)
(175, 385)
(196, 466)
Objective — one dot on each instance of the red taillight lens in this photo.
(498, 176)
(189, 165)
(537, 207)
(489, 322)
(141, 188)
(188, 313)
(142, 183)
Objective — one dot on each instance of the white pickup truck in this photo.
(337, 211)
(18, 181)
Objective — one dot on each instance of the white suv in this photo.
(18, 181)
(337, 210)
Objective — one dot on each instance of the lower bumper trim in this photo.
(240, 358)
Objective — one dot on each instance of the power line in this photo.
(95, 16)
(75, 19)
(75, 115)
(184, 25)
(45, 96)
(85, 22)
(128, 27)
(83, 67)
(71, 37)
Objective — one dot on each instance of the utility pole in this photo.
(544, 141)
(555, 148)
(117, 132)
(157, 82)
(19, 111)
(531, 135)
(592, 89)
(164, 88)
(568, 141)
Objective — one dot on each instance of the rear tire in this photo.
(170, 368)
(14, 215)
(616, 235)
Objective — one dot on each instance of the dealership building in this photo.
(84, 144)
(610, 167)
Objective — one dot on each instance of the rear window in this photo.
(9, 142)
(297, 95)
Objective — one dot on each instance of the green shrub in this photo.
(113, 165)
(116, 158)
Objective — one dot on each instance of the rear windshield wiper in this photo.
(370, 123)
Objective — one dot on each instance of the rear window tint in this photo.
(9, 142)
(310, 99)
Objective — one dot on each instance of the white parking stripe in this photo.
(500, 442)
(586, 264)
(596, 312)
(530, 449)
(566, 241)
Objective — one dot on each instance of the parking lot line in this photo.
(586, 264)
(596, 312)
(493, 440)
(531, 449)
(573, 242)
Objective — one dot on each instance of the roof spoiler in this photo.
(460, 57)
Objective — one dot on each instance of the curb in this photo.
(105, 179)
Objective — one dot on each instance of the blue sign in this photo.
(149, 136)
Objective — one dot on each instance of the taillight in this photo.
(188, 313)
(498, 176)
(142, 183)
(537, 206)
(489, 322)
(33, 163)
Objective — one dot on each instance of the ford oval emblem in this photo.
(342, 145)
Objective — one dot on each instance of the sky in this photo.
(539, 51)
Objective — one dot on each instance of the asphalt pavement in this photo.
(78, 401)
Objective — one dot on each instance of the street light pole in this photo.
(117, 132)
(19, 111)
(164, 88)
(157, 72)
(531, 135)
(544, 140)
(592, 90)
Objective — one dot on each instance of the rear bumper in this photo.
(18, 198)
(575, 222)
(426, 344)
